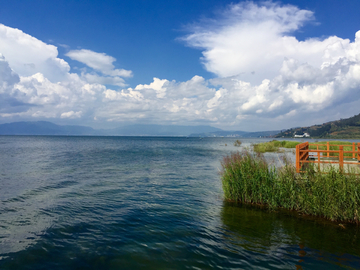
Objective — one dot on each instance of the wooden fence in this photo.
(312, 153)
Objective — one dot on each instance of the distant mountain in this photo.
(48, 128)
(342, 129)
(221, 133)
(43, 128)
(262, 134)
(241, 134)
(161, 130)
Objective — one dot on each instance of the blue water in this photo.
(147, 203)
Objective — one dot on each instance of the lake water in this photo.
(147, 203)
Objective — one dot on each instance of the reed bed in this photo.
(248, 178)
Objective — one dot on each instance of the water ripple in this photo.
(132, 203)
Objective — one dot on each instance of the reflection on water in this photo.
(305, 242)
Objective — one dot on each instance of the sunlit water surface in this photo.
(154, 203)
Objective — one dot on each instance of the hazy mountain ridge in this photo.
(43, 128)
(48, 128)
(160, 130)
(343, 128)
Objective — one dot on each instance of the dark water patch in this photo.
(311, 240)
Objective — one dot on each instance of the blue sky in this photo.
(235, 65)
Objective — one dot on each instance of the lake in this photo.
(147, 202)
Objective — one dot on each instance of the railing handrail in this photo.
(303, 153)
(346, 145)
(330, 151)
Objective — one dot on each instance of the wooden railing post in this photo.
(302, 155)
(341, 157)
(328, 148)
(307, 153)
(298, 156)
(358, 152)
(297, 159)
(318, 159)
(353, 155)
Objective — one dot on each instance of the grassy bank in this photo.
(248, 178)
(273, 146)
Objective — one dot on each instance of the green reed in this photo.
(248, 178)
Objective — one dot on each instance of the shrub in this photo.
(237, 143)
(265, 147)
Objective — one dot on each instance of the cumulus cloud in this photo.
(7, 76)
(252, 40)
(66, 99)
(95, 78)
(27, 55)
(157, 85)
(298, 88)
(35, 83)
(266, 78)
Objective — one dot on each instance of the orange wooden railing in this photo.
(306, 155)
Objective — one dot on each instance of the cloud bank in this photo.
(265, 77)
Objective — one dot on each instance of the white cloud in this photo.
(71, 114)
(57, 100)
(252, 40)
(158, 85)
(95, 78)
(295, 82)
(7, 76)
(27, 55)
(98, 61)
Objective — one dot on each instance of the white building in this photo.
(306, 135)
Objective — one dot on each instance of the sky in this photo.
(235, 65)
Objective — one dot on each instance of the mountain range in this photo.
(241, 134)
(48, 128)
(348, 128)
(343, 128)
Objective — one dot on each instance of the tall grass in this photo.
(248, 178)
